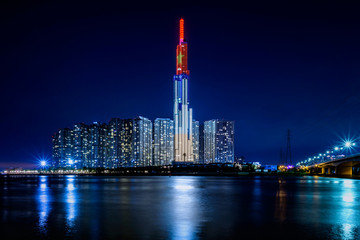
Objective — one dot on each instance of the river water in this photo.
(179, 207)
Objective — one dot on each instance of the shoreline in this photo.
(200, 174)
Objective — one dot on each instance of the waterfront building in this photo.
(114, 143)
(81, 150)
(126, 139)
(98, 146)
(142, 153)
(201, 143)
(196, 141)
(218, 141)
(62, 147)
(163, 141)
(183, 143)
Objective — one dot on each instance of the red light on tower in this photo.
(181, 53)
(181, 30)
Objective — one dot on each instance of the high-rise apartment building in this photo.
(62, 147)
(98, 145)
(218, 141)
(114, 143)
(121, 143)
(163, 141)
(142, 153)
(196, 141)
(81, 150)
(201, 143)
(126, 139)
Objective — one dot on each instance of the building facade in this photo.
(114, 143)
(81, 149)
(63, 143)
(98, 145)
(201, 143)
(218, 141)
(126, 138)
(142, 153)
(163, 141)
(196, 141)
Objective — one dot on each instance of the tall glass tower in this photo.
(163, 141)
(218, 141)
(183, 143)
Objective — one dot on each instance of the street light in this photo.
(348, 144)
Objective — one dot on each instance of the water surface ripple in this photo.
(179, 207)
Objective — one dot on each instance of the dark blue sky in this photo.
(269, 67)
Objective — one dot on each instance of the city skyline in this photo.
(267, 75)
(138, 142)
(105, 134)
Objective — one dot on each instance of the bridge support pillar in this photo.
(323, 170)
(344, 169)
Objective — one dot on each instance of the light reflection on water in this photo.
(280, 205)
(71, 201)
(347, 218)
(43, 204)
(184, 207)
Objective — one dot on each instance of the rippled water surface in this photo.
(78, 207)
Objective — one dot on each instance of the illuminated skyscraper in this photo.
(142, 153)
(201, 143)
(62, 147)
(218, 141)
(114, 144)
(81, 150)
(183, 143)
(196, 143)
(126, 134)
(98, 145)
(163, 141)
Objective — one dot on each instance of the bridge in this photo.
(347, 166)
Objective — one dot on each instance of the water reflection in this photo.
(185, 209)
(182, 208)
(256, 202)
(43, 203)
(280, 205)
(71, 202)
(347, 215)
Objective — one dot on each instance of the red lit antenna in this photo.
(181, 30)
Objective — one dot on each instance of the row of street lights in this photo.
(336, 152)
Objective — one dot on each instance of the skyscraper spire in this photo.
(181, 31)
(181, 53)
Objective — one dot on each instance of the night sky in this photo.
(268, 67)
